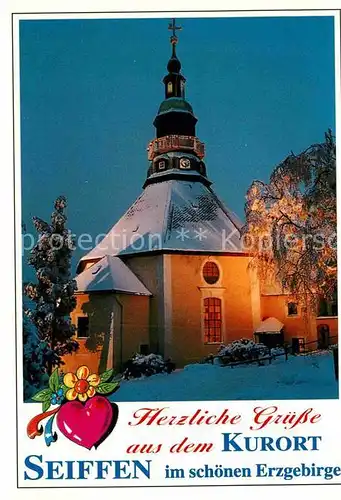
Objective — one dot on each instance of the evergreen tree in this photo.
(54, 293)
(36, 355)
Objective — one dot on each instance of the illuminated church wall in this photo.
(118, 324)
(230, 316)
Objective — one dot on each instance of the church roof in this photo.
(174, 215)
(110, 274)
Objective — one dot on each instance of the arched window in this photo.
(212, 320)
(169, 87)
(211, 272)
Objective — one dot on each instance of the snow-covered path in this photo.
(301, 377)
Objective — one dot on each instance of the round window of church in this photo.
(211, 272)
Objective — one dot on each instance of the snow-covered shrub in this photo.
(35, 357)
(332, 346)
(277, 351)
(146, 365)
(242, 350)
(207, 359)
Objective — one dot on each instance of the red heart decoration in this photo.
(86, 424)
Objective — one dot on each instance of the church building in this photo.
(171, 276)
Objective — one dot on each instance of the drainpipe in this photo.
(121, 332)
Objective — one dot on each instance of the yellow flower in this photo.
(81, 384)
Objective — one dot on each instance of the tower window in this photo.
(211, 272)
(82, 327)
(212, 320)
(292, 309)
(182, 88)
(169, 87)
(162, 165)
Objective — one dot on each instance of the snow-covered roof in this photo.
(270, 325)
(110, 274)
(179, 173)
(173, 215)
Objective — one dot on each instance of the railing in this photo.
(174, 143)
(287, 349)
(259, 360)
(319, 344)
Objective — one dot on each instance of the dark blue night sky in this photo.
(90, 90)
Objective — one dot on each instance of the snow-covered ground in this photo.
(301, 377)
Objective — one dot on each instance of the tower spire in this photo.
(174, 81)
(176, 152)
(174, 39)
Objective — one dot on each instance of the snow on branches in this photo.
(291, 223)
(54, 293)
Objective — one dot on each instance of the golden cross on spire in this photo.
(174, 28)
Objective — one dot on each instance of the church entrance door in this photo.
(322, 336)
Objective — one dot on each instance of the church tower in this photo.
(176, 149)
(177, 209)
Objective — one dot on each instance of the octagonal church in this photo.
(171, 276)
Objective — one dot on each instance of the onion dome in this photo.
(175, 104)
(174, 65)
